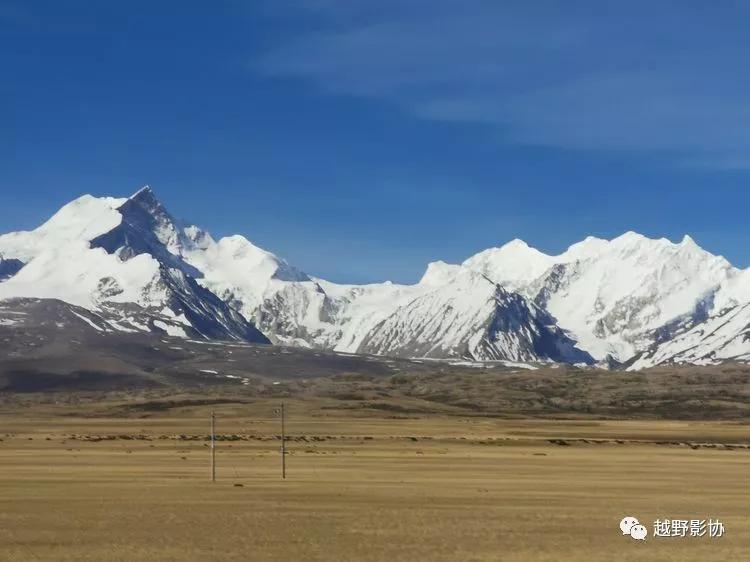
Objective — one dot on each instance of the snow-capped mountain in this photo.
(461, 313)
(631, 300)
(718, 331)
(126, 258)
(621, 297)
(452, 312)
(113, 256)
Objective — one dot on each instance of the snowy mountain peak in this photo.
(80, 220)
(439, 273)
(254, 260)
(589, 247)
(634, 246)
(687, 240)
(512, 265)
(82, 217)
(145, 201)
(199, 238)
(629, 237)
(146, 227)
(515, 244)
(631, 243)
(145, 191)
(241, 247)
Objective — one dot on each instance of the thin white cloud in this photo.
(638, 76)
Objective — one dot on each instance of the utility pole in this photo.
(283, 445)
(213, 446)
(283, 440)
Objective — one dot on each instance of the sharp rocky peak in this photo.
(147, 227)
(143, 193)
(145, 200)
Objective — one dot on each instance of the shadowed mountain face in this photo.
(9, 267)
(208, 315)
(146, 228)
(499, 325)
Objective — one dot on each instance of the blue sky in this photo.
(361, 140)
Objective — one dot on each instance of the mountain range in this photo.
(631, 302)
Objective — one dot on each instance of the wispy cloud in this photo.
(636, 76)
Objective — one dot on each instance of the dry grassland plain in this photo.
(81, 485)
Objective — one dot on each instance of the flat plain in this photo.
(119, 478)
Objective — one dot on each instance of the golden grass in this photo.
(366, 487)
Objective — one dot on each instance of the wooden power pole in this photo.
(213, 446)
(283, 445)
